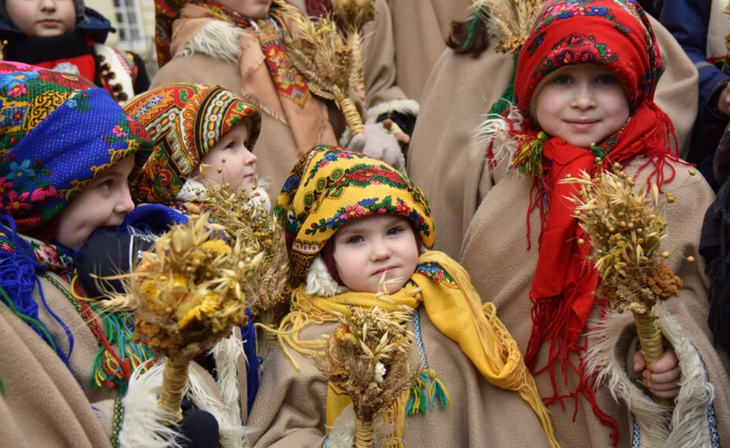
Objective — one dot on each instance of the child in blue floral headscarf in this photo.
(65, 148)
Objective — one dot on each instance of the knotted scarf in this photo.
(330, 186)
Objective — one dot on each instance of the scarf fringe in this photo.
(687, 423)
(419, 400)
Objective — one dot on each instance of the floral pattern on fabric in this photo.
(329, 186)
(437, 273)
(185, 121)
(288, 80)
(45, 116)
(576, 49)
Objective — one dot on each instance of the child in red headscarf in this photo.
(584, 89)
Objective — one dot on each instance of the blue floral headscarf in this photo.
(58, 132)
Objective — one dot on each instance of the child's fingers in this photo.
(670, 377)
(639, 363)
(667, 363)
(673, 393)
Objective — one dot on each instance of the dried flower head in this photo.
(248, 224)
(625, 229)
(369, 358)
(189, 292)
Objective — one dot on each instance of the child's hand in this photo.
(661, 377)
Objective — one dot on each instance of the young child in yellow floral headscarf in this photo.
(358, 233)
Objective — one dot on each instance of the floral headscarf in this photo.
(330, 186)
(616, 35)
(185, 121)
(58, 133)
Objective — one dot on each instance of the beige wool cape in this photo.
(43, 405)
(495, 255)
(102, 401)
(415, 40)
(290, 407)
(448, 162)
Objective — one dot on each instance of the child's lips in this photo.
(380, 271)
(49, 23)
(581, 125)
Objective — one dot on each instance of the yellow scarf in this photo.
(455, 309)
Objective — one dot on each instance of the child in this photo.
(198, 131)
(351, 220)
(65, 36)
(202, 136)
(66, 151)
(239, 45)
(584, 89)
(447, 161)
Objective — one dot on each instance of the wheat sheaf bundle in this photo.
(187, 295)
(324, 57)
(626, 229)
(368, 358)
(351, 16)
(510, 21)
(248, 224)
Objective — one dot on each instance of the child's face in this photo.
(254, 9)
(102, 204)
(581, 104)
(42, 18)
(366, 248)
(230, 162)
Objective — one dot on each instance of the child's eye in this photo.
(395, 230)
(606, 79)
(107, 184)
(562, 79)
(354, 240)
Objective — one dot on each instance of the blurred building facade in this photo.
(134, 21)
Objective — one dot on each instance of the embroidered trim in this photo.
(117, 421)
(419, 340)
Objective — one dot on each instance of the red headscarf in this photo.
(614, 34)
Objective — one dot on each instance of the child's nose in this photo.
(48, 5)
(584, 98)
(250, 159)
(380, 251)
(125, 203)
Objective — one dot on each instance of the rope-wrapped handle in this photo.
(650, 338)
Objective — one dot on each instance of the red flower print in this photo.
(118, 131)
(45, 193)
(16, 202)
(352, 211)
(66, 80)
(4, 185)
(18, 90)
(402, 208)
